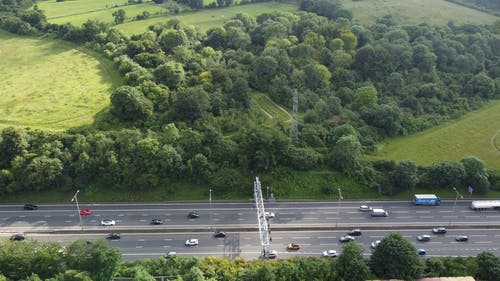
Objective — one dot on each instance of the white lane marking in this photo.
(300, 237)
(142, 220)
(403, 217)
(22, 216)
(167, 239)
(42, 221)
(423, 212)
(481, 242)
(47, 216)
(328, 244)
(428, 217)
(121, 215)
(284, 213)
(479, 235)
(138, 247)
(68, 221)
(166, 246)
(248, 238)
(310, 218)
(330, 218)
(168, 214)
(330, 237)
(216, 214)
(141, 240)
(472, 216)
(240, 219)
(216, 219)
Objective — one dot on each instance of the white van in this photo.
(379, 213)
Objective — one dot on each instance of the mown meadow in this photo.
(477, 133)
(416, 11)
(51, 84)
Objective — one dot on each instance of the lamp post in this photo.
(338, 208)
(210, 200)
(455, 203)
(267, 192)
(75, 198)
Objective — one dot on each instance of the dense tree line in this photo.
(81, 260)
(187, 111)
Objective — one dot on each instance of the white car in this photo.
(170, 255)
(375, 244)
(191, 242)
(108, 222)
(330, 253)
(272, 254)
(365, 208)
(269, 215)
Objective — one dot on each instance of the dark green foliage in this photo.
(350, 264)
(130, 104)
(395, 257)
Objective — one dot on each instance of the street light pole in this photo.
(210, 199)
(75, 198)
(455, 203)
(338, 208)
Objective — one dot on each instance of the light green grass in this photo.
(51, 84)
(476, 134)
(208, 18)
(78, 12)
(272, 110)
(416, 11)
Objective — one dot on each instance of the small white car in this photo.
(330, 253)
(191, 242)
(375, 244)
(108, 222)
(269, 215)
(365, 208)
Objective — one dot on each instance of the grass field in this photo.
(77, 12)
(205, 19)
(51, 84)
(416, 11)
(272, 110)
(477, 134)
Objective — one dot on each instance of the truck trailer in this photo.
(426, 199)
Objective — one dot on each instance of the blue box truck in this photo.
(426, 199)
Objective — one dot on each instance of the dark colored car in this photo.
(193, 215)
(219, 234)
(354, 232)
(17, 237)
(114, 236)
(421, 252)
(156, 221)
(30, 207)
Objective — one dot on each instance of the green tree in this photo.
(489, 266)
(365, 98)
(171, 74)
(350, 264)
(404, 177)
(317, 76)
(13, 143)
(99, 259)
(260, 272)
(346, 155)
(481, 85)
(130, 104)
(190, 104)
(395, 257)
(476, 174)
(120, 16)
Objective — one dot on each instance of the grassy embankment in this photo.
(416, 11)
(51, 84)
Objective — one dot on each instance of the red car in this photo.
(85, 212)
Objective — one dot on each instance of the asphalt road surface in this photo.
(325, 222)
(247, 245)
(240, 215)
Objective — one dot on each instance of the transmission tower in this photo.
(261, 217)
(294, 132)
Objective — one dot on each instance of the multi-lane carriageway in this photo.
(317, 226)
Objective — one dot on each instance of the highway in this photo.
(325, 222)
(246, 244)
(234, 215)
